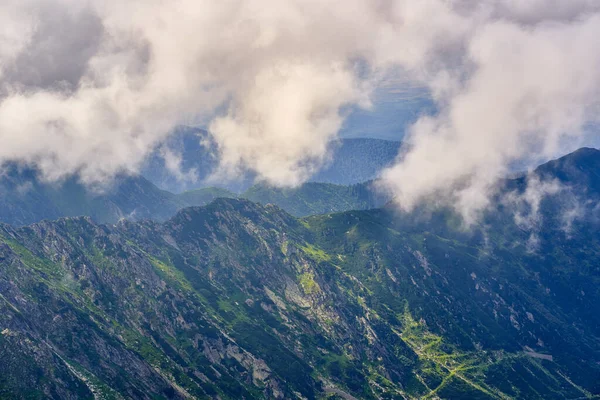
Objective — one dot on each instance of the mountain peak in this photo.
(580, 167)
(579, 157)
(229, 211)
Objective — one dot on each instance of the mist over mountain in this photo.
(25, 199)
(189, 159)
(186, 160)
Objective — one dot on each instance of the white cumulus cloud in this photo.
(91, 87)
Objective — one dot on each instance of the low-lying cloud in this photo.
(525, 91)
(92, 87)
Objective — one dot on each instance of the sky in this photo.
(396, 105)
(91, 87)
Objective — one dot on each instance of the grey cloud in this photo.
(60, 49)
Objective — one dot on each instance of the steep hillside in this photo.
(238, 300)
(226, 300)
(491, 312)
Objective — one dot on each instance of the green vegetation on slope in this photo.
(237, 300)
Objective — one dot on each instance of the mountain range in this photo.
(240, 300)
(25, 198)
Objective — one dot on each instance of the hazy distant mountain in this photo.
(357, 160)
(396, 106)
(198, 157)
(24, 199)
(308, 199)
(318, 198)
(352, 161)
